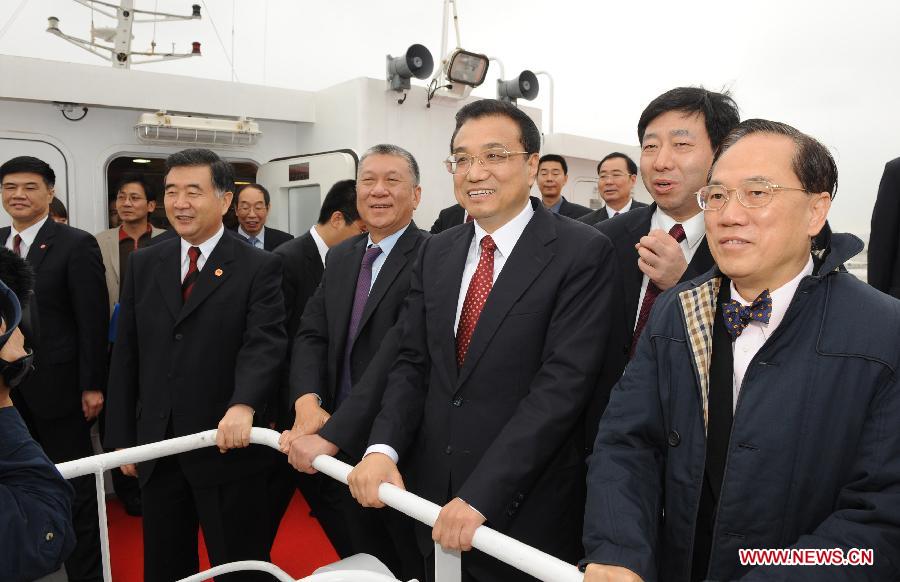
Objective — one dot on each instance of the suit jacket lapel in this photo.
(700, 263)
(215, 271)
(447, 283)
(168, 276)
(528, 259)
(389, 270)
(41, 244)
(344, 275)
(311, 256)
(632, 276)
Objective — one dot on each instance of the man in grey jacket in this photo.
(760, 409)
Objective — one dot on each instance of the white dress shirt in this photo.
(755, 335)
(610, 212)
(260, 238)
(206, 249)
(386, 245)
(27, 235)
(320, 243)
(505, 238)
(694, 231)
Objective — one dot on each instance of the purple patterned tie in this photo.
(363, 284)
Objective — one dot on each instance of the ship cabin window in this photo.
(153, 169)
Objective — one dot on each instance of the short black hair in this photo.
(720, 112)
(555, 158)
(29, 165)
(530, 137)
(340, 198)
(58, 209)
(137, 179)
(632, 167)
(812, 163)
(260, 187)
(222, 173)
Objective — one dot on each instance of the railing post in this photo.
(447, 565)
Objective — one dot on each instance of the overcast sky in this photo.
(828, 68)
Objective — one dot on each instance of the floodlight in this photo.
(524, 86)
(417, 62)
(467, 68)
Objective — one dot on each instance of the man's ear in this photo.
(820, 204)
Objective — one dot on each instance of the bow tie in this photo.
(738, 317)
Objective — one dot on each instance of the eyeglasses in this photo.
(462, 163)
(612, 175)
(751, 194)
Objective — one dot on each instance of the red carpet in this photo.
(300, 547)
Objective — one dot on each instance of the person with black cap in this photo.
(36, 532)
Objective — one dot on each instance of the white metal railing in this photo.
(447, 564)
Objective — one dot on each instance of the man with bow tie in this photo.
(756, 411)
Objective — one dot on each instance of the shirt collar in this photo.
(261, 237)
(611, 211)
(206, 247)
(28, 235)
(694, 227)
(781, 297)
(555, 208)
(123, 235)
(387, 243)
(320, 243)
(507, 235)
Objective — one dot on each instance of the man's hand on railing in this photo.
(304, 449)
(234, 428)
(129, 469)
(456, 525)
(369, 474)
(607, 573)
(309, 416)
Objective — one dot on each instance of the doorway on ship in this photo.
(152, 167)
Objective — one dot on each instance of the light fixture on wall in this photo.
(160, 127)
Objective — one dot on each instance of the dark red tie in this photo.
(469, 218)
(187, 286)
(17, 245)
(476, 295)
(676, 232)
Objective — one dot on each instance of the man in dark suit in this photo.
(884, 238)
(65, 394)
(344, 326)
(664, 243)
(251, 207)
(200, 340)
(303, 259)
(450, 217)
(501, 346)
(616, 176)
(553, 173)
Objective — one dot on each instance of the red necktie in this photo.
(187, 286)
(476, 295)
(469, 218)
(676, 232)
(17, 245)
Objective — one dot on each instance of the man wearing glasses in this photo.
(500, 352)
(759, 409)
(616, 176)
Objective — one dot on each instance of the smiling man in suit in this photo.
(499, 354)
(200, 340)
(251, 207)
(665, 243)
(65, 394)
(343, 328)
(616, 176)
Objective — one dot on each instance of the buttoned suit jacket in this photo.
(109, 250)
(602, 214)
(177, 368)
(884, 240)
(318, 351)
(504, 432)
(70, 346)
(448, 218)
